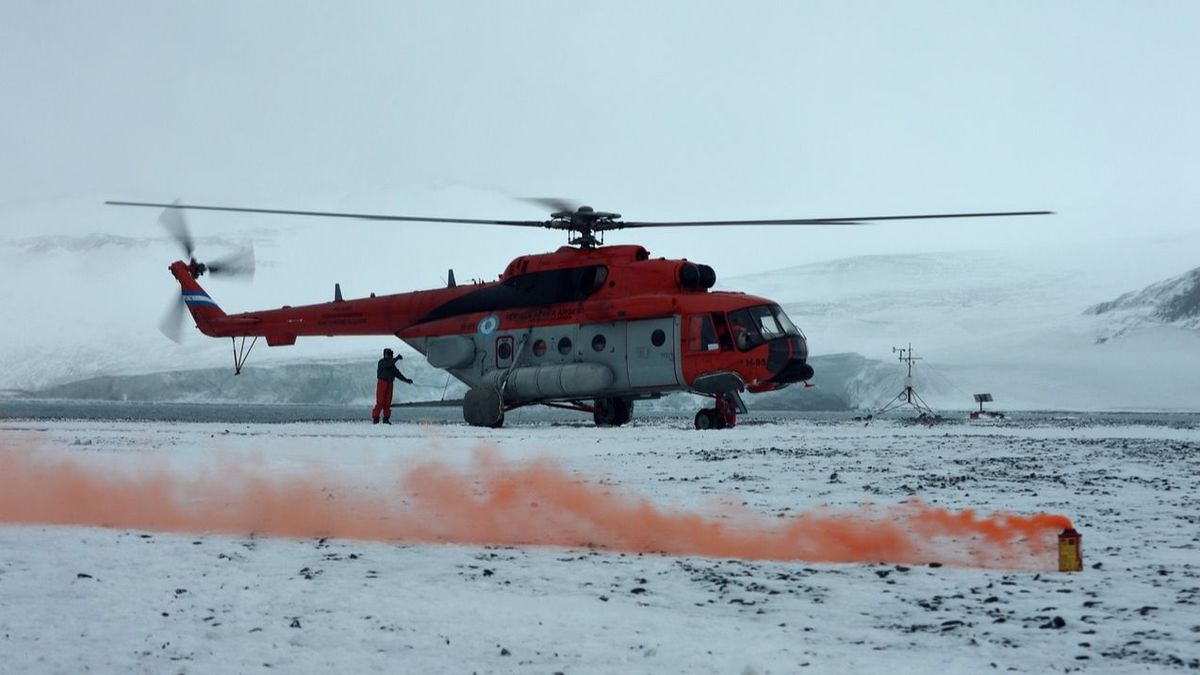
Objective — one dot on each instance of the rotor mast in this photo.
(586, 222)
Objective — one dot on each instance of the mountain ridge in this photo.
(1170, 302)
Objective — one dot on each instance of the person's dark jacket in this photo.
(387, 370)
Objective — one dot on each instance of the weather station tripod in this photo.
(909, 396)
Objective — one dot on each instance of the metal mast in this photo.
(909, 396)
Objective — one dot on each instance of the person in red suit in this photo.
(387, 372)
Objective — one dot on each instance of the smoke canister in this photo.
(1070, 555)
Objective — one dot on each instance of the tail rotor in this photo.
(171, 323)
(237, 265)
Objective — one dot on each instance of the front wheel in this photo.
(706, 419)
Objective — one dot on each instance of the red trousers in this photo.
(383, 399)
(727, 408)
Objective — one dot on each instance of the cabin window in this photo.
(539, 348)
(564, 346)
(658, 338)
(599, 343)
(504, 349)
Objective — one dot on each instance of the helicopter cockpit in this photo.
(753, 326)
(765, 329)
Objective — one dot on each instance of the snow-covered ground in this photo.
(155, 592)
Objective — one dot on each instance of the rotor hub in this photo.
(585, 222)
(196, 268)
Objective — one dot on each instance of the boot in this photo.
(387, 420)
(374, 420)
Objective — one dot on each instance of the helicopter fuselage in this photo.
(572, 325)
(605, 323)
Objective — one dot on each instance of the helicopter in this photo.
(587, 327)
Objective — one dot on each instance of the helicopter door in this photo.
(651, 352)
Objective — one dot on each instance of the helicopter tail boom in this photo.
(197, 300)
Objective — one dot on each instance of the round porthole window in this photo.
(564, 346)
(504, 350)
(658, 338)
(539, 348)
(599, 343)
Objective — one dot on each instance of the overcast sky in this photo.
(680, 110)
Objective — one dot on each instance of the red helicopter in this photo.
(588, 327)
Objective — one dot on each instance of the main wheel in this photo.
(602, 414)
(706, 419)
(626, 408)
(612, 412)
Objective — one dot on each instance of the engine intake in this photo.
(693, 277)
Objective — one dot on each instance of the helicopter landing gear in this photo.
(483, 407)
(612, 411)
(724, 415)
(709, 419)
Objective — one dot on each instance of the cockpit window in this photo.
(767, 325)
(784, 322)
(755, 325)
(745, 332)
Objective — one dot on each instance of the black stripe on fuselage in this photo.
(533, 289)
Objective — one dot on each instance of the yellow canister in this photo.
(1070, 552)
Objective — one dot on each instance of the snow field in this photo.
(125, 600)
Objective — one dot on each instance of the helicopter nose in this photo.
(788, 360)
(795, 371)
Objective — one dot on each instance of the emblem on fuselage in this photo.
(488, 325)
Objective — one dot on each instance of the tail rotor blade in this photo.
(173, 221)
(239, 264)
(171, 323)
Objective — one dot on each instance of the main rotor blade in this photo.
(335, 214)
(172, 220)
(857, 220)
(239, 264)
(171, 323)
(600, 225)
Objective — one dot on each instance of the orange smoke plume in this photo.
(492, 501)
